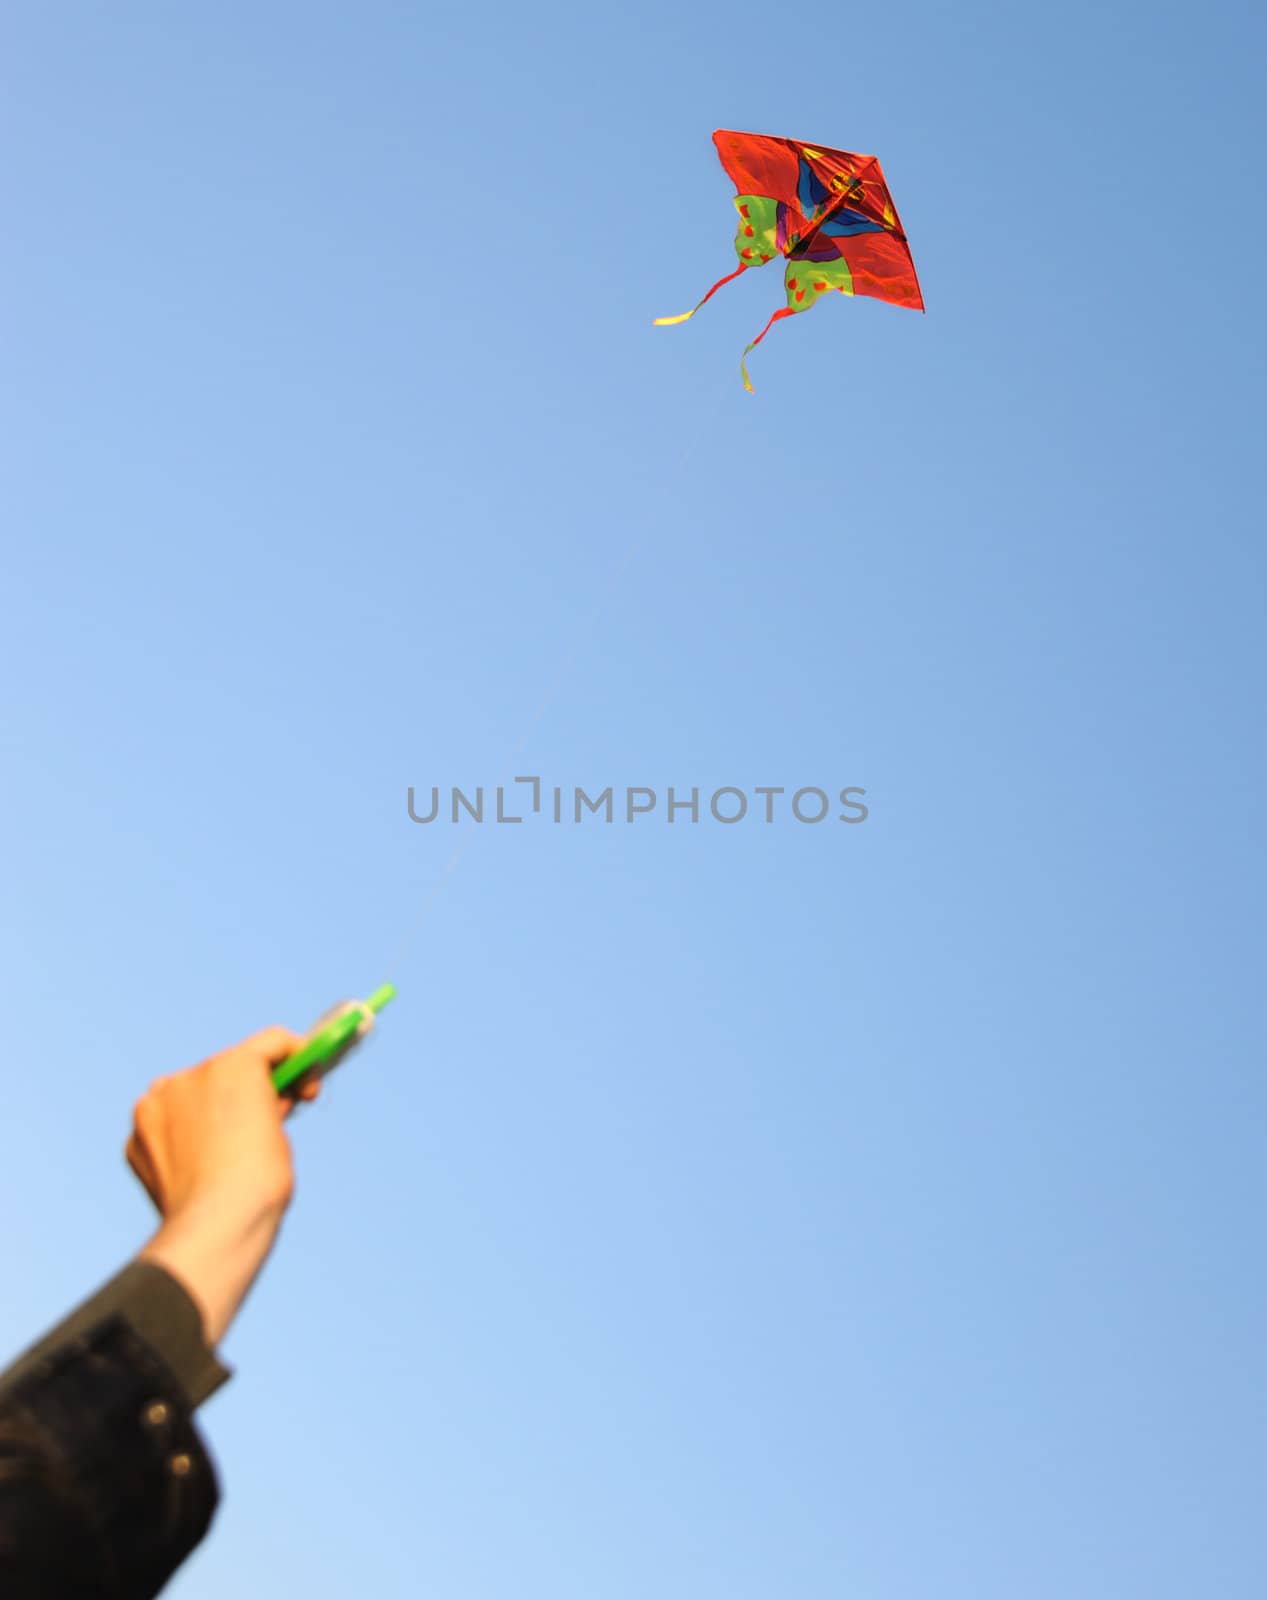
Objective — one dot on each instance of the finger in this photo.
(139, 1161)
(273, 1044)
(293, 1099)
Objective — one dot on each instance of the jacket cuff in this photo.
(160, 1311)
(119, 1487)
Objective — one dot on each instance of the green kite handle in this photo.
(332, 1038)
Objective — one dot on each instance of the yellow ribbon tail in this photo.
(667, 322)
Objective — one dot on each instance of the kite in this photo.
(829, 212)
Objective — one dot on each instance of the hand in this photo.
(209, 1146)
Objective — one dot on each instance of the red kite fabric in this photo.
(828, 211)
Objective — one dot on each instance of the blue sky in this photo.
(817, 1211)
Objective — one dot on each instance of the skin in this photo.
(210, 1146)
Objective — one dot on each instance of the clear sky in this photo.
(723, 1212)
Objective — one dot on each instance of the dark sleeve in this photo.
(105, 1486)
(159, 1310)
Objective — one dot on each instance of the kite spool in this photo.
(331, 1038)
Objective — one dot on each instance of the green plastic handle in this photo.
(331, 1041)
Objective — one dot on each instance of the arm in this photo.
(105, 1485)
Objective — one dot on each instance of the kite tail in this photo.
(665, 322)
(783, 311)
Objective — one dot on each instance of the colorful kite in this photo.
(829, 212)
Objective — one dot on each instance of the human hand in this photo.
(210, 1148)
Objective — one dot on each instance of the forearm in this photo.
(215, 1250)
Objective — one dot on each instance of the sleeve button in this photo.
(157, 1413)
(181, 1465)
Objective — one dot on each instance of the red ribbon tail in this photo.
(664, 322)
(783, 311)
